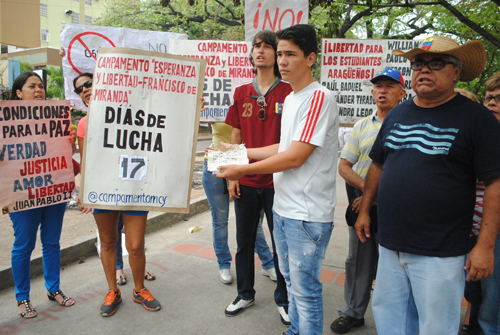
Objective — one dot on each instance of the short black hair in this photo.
(19, 83)
(85, 74)
(268, 37)
(303, 35)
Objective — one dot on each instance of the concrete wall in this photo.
(20, 23)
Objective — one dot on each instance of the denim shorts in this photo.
(134, 213)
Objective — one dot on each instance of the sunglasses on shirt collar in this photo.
(87, 84)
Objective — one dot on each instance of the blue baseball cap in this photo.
(391, 73)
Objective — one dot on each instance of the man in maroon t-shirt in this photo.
(256, 119)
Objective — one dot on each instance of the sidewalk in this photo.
(188, 286)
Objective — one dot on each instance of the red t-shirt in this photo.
(256, 133)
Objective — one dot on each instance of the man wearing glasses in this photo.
(256, 119)
(426, 158)
(489, 312)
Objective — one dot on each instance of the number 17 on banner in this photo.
(133, 168)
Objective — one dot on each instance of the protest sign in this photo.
(35, 157)
(141, 131)
(227, 67)
(237, 156)
(348, 65)
(273, 15)
(82, 42)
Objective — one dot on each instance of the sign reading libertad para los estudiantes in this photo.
(348, 65)
(228, 66)
(35, 157)
(140, 139)
(82, 42)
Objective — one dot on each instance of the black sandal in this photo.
(26, 303)
(52, 296)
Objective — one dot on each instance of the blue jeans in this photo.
(218, 200)
(247, 208)
(301, 247)
(25, 224)
(119, 251)
(489, 313)
(417, 293)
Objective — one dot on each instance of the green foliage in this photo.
(55, 83)
(204, 19)
(396, 19)
(25, 67)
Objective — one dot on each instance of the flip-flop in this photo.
(121, 280)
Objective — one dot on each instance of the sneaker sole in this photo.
(283, 321)
(265, 274)
(237, 311)
(226, 282)
(113, 312)
(146, 307)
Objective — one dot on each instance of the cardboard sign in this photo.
(35, 158)
(273, 15)
(142, 126)
(82, 42)
(228, 66)
(348, 65)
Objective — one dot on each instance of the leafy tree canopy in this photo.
(463, 20)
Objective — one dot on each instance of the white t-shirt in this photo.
(308, 193)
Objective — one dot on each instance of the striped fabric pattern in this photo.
(424, 137)
(312, 116)
(360, 142)
(478, 209)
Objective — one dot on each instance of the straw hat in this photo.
(472, 54)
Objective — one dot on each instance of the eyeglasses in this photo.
(491, 97)
(87, 84)
(261, 101)
(436, 64)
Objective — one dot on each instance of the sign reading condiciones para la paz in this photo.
(35, 157)
(228, 66)
(82, 42)
(348, 65)
(141, 131)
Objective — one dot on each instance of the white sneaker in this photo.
(271, 273)
(237, 306)
(225, 276)
(284, 315)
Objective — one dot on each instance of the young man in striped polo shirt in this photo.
(361, 262)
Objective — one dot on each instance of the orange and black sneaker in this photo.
(112, 300)
(145, 298)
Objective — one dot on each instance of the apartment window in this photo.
(88, 19)
(44, 35)
(88, 2)
(43, 10)
(75, 18)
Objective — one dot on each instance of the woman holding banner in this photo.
(29, 86)
(83, 87)
(107, 223)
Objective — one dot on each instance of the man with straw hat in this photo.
(427, 156)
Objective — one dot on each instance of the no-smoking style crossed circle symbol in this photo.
(92, 53)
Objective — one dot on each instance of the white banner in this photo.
(273, 15)
(227, 67)
(82, 42)
(141, 132)
(348, 65)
